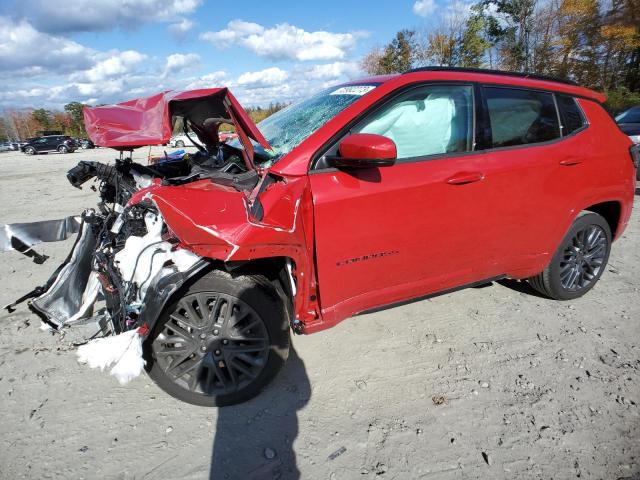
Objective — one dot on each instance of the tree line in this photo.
(593, 42)
(26, 123)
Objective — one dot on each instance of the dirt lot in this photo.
(490, 382)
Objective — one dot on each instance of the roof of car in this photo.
(532, 76)
(491, 76)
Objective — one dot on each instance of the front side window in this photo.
(428, 120)
(520, 117)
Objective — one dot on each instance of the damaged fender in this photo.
(219, 222)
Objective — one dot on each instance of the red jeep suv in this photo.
(367, 194)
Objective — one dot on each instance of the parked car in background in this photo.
(85, 143)
(629, 122)
(49, 143)
(181, 140)
(6, 147)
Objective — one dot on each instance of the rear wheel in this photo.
(63, 149)
(579, 261)
(221, 342)
(179, 143)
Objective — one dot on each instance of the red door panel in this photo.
(393, 233)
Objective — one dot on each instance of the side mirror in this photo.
(365, 150)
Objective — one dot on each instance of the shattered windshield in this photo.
(287, 128)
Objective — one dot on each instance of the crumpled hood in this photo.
(150, 120)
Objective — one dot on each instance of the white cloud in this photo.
(424, 8)
(25, 50)
(263, 78)
(210, 80)
(284, 41)
(181, 28)
(96, 15)
(39, 69)
(111, 64)
(179, 62)
(333, 70)
(236, 31)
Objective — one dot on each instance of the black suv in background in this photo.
(49, 143)
(629, 122)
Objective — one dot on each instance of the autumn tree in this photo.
(43, 118)
(74, 110)
(441, 48)
(397, 57)
(372, 62)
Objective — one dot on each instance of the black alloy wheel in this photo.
(219, 343)
(583, 258)
(580, 260)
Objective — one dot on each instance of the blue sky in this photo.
(104, 51)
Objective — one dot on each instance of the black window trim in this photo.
(480, 120)
(383, 102)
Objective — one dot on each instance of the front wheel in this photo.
(63, 149)
(179, 144)
(30, 151)
(579, 261)
(221, 342)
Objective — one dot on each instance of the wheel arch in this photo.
(271, 272)
(611, 211)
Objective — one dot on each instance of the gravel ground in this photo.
(491, 382)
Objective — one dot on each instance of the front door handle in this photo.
(462, 178)
(569, 162)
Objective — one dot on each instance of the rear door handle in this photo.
(569, 162)
(462, 178)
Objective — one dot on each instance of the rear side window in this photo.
(572, 118)
(520, 117)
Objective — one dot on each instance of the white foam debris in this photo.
(123, 351)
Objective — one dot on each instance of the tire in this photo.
(195, 357)
(30, 151)
(179, 144)
(579, 261)
(63, 149)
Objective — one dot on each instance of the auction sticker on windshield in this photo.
(353, 90)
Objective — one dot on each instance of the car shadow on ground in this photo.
(521, 286)
(254, 440)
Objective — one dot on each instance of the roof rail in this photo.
(493, 72)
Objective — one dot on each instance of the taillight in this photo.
(634, 150)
